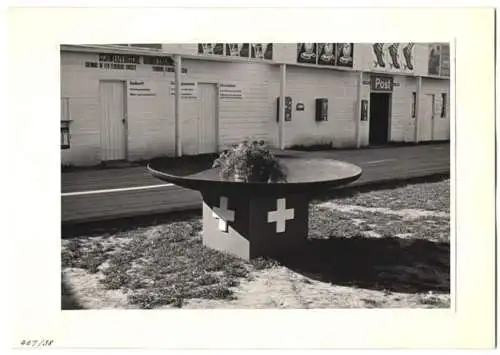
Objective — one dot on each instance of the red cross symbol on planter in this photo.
(223, 214)
(281, 215)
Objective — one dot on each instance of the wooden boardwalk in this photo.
(86, 195)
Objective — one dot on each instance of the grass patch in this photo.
(165, 263)
(325, 223)
(433, 196)
(78, 254)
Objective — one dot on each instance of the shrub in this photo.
(250, 162)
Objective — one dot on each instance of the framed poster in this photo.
(233, 49)
(445, 60)
(205, 48)
(306, 53)
(288, 108)
(218, 48)
(245, 50)
(211, 48)
(408, 56)
(364, 110)
(378, 55)
(344, 53)
(326, 54)
(262, 51)
(434, 59)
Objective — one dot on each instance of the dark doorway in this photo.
(379, 118)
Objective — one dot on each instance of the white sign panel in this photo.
(188, 89)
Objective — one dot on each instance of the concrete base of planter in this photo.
(249, 227)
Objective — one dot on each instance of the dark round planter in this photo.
(249, 218)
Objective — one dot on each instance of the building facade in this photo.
(119, 102)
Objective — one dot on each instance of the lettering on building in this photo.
(230, 92)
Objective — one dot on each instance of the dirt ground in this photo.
(419, 271)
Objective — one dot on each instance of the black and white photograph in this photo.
(344, 53)
(201, 184)
(434, 58)
(210, 48)
(259, 203)
(233, 49)
(262, 50)
(307, 53)
(326, 54)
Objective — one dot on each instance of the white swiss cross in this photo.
(223, 214)
(280, 216)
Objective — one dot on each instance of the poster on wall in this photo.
(211, 48)
(364, 110)
(237, 50)
(445, 60)
(233, 49)
(394, 62)
(306, 53)
(188, 89)
(344, 54)
(378, 53)
(326, 53)
(434, 59)
(245, 50)
(262, 51)
(230, 92)
(408, 56)
(393, 56)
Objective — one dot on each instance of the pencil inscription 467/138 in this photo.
(33, 343)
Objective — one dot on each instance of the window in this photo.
(444, 99)
(413, 104)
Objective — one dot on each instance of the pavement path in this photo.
(93, 195)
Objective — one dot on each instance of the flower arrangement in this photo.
(250, 161)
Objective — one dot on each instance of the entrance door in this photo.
(207, 118)
(379, 118)
(426, 120)
(113, 137)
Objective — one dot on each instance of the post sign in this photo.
(382, 83)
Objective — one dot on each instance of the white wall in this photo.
(150, 118)
(340, 88)
(402, 124)
(364, 126)
(251, 116)
(441, 124)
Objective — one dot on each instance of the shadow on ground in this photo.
(392, 264)
(68, 299)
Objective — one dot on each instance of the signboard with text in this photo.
(382, 83)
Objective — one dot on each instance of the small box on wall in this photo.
(322, 109)
(364, 110)
(65, 135)
(288, 109)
